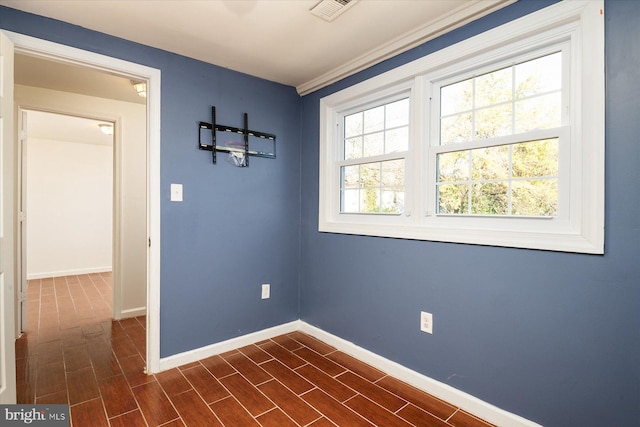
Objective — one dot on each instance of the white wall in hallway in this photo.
(69, 206)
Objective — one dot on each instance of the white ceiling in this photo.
(65, 77)
(278, 40)
(59, 127)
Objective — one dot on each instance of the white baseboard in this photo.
(131, 312)
(436, 388)
(223, 346)
(62, 273)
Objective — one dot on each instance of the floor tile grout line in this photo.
(451, 416)
(166, 395)
(341, 404)
(455, 408)
(129, 412)
(238, 400)
(199, 395)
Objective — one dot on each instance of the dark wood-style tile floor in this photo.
(74, 353)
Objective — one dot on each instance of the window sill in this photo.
(561, 241)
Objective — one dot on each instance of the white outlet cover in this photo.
(426, 322)
(266, 291)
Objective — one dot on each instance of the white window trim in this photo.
(582, 24)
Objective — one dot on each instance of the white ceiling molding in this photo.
(444, 24)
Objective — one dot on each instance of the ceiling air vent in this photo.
(331, 9)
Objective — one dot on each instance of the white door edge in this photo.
(8, 300)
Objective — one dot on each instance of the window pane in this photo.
(541, 112)
(518, 179)
(456, 98)
(353, 125)
(458, 128)
(350, 201)
(515, 99)
(396, 140)
(490, 198)
(353, 148)
(370, 200)
(370, 175)
(393, 173)
(373, 187)
(397, 114)
(392, 201)
(493, 88)
(493, 121)
(490, 163)
(369, 186)
(539, 76)
(453, 199)
(374, 144)
(351, 176)
(535, 159)
(377, 131)
(535, 197)
(453, 166)
(374, 119)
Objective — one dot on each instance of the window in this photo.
(509, 168)
(372, 167)
(497, 140)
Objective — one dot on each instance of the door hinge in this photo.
(21, 216)
(149, 241)
(22, 297)
(23, 135)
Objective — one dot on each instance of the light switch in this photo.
(176, 192)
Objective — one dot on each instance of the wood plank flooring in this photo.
(74, 353)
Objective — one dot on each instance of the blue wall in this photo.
(237, 227)
(551, 336)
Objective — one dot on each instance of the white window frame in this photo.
(579, 225)
(392, 92)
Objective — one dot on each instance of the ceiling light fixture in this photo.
(106, 128)
(141, 88)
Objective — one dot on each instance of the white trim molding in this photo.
(131, 312)
(194, 355)
(62, 273)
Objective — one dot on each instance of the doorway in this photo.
(129, 174)
(57, 53)
(66, 198)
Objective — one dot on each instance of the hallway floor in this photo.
(74, 353)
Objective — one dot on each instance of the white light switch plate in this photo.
(176, 192)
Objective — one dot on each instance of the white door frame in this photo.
(55, 51)
(7, 226)
(21, 224)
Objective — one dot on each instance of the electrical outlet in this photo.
(426, 322)
(266, 291)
